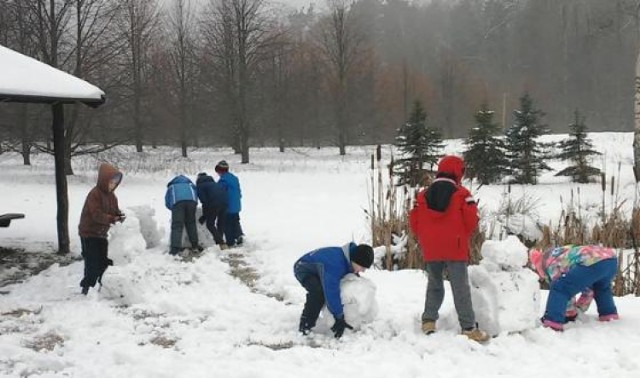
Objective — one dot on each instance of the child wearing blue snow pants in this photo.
(597, 277)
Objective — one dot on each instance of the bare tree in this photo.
(341, 41)
(94, 44)
(138, 27)
(634, 6)
(17, 33)
(238, 33)
(183, 65)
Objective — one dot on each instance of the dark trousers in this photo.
(94, 253)
(308, 276)
(183, 215)
(232, 229)
(215, 218)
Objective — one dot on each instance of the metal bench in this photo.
(5, 219)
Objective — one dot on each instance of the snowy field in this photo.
(158, 316)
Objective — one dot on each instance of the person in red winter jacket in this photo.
(443, 219)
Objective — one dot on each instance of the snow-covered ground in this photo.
(158, 316)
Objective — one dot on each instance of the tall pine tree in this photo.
(578, 149)
(420, 147)
(485, 156)
(525, 153)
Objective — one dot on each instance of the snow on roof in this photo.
(24, 79)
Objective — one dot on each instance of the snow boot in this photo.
(305, 327)
(607, 318)
(428, 327)
(546, 323)
(476, 334)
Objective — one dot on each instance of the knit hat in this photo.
(451, 166)
(362, 255)
(222, 166)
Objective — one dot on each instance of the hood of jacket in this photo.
(106, 172)
(180, 179)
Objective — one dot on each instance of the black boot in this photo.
(305, 327)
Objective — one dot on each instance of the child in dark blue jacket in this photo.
(182, 199)
(320, 272)
(214, 206)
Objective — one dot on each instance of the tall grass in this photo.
(388, 211)
(389, 207)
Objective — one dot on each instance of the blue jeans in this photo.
(232, 229)
(598, 277)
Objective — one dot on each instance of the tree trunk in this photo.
(24, 135)
(61, 179)
(342, 124)
(68, 140)
(136, 121)
(636, 132)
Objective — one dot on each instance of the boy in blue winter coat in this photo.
(320, 272)
(182, 199)
(214, 206)
(230, 183)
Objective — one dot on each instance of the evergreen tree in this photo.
(525, 153)
(485, 156)
(577, 149)
(420, 147)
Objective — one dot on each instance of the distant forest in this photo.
(246, 73)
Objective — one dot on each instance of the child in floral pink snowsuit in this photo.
(570, 270)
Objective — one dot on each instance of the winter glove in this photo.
(120, 217)
(339, 326)
(202, 219)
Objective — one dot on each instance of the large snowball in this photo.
(358, 299)
(204, 236)
(126, 240)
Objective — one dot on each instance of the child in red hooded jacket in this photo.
(443, 219)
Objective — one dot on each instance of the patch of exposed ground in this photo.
(246, 274)
(47, 342)
(17, 264)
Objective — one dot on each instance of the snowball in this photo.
(358, 299)
(507, 255)
(204, 236)
(126, 240)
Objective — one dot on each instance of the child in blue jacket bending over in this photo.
(572, 269)
(320, 272)
(182, 199)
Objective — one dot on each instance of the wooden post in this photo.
(61, 178)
